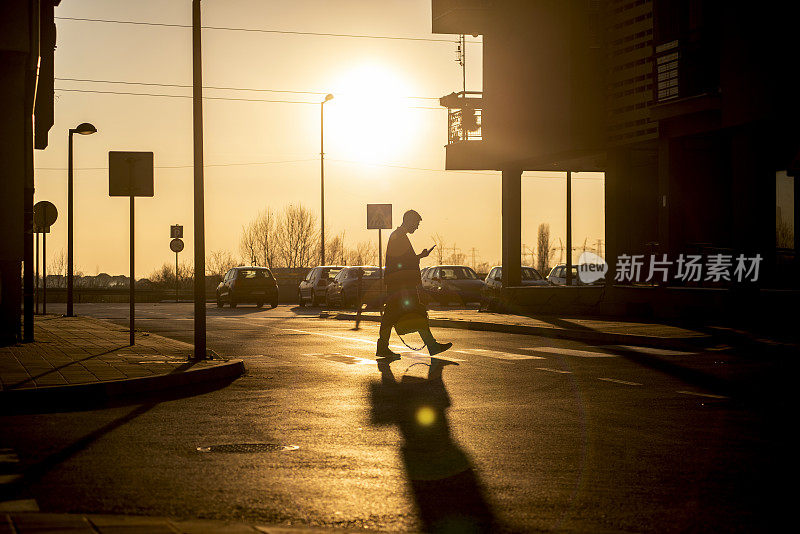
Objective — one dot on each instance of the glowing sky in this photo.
(381, 146)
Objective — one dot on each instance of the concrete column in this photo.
(618, 167)
(512, 227)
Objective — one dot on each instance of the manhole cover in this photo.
(248, 447)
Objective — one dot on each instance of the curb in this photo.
(592, 336)
(77, 396)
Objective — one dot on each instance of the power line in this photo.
(184, 166)
(485, 173)
(261, 30)
(210, 97)
(189, 86)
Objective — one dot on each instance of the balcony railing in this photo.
(464, 116)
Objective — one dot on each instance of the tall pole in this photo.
(132, 282)
(569, 228)
(44, 274)
(199, 206)
(36, 285)
(177, 282)
(69, 226)
(322, 180)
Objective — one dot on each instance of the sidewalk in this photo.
(80, 362)
(589, 330)
(25, 522)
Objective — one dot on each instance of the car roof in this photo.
(252, 267)
(467, 266)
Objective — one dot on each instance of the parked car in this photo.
(493, 283)
(447, 283)
(344, 290)
(247, 284)
(558, 276)
(314, 286)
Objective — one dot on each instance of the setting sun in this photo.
(369, 120)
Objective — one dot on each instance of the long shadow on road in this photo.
(447, 492)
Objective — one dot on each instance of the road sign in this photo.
(44, 215)
(176, 245)
(379, 216)
(176, 231)
(130, 174)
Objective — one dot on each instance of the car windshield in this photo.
(457, 273)
(371, 272)
(252, 274)
(330, 273)
(530, 274)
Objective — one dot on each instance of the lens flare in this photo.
(426, 416)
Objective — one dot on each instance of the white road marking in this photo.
(368, 341)
(554, 370)
(9, 479)
(558, 351)
(620, 381)
(22, 505)
(8, 455)
(655, 351)
(336, 356)
(698, 394)
(501, 355)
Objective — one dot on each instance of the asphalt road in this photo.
(524, 434)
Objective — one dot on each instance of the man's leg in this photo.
(385, 331)
(434, 347)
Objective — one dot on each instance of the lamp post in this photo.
(84, 129)
(322, 175)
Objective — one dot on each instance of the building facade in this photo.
(27, 45)
(685, 105)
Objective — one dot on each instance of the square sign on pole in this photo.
(176, 231)
(379, 216)
(130, 174)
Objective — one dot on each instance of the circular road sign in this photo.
(44, 214)
(176, 245)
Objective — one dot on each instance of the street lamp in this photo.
(84, 129)
(322, 175)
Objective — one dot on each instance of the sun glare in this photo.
(369, 120)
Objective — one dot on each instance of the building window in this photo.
(784, 210)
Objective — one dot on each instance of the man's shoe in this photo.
(437, 348)
(383, 351)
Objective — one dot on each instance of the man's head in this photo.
(411, 221)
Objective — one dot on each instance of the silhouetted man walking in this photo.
(402, 278)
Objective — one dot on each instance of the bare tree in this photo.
(364, 253)
(297, 236)
(543, 251)
(220, 262)
(335, 250)
(164, 276)
(57, 268)
(248, 243)
(440, 248)
(784, 234)
(258, 241)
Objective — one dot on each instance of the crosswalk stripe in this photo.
(616, 381)
(698, 394)
(554, 370)
(20, 505)
(558, 351)
(655, 351)
(501, 355)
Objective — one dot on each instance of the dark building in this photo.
(27, 45)
(686, 105)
